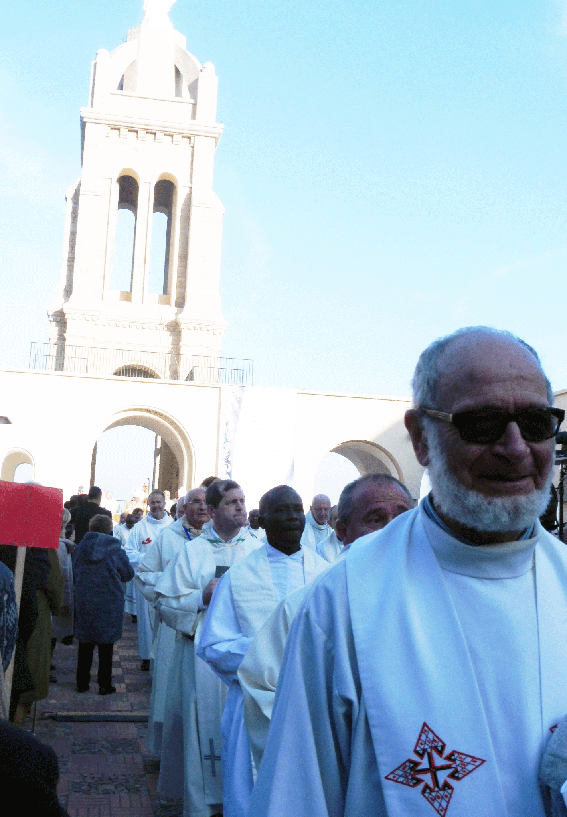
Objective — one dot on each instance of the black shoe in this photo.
(145, 665)
(134, 619)
(83, 689)
(106, 690)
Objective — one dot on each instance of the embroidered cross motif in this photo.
(412, 773)
(212, 757)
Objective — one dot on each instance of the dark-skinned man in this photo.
(368, 504)
(242, 602)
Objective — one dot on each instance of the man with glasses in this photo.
(150, 569)
(425, 675)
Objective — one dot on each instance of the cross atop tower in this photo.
(157, 12)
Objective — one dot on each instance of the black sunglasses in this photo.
(486, 426)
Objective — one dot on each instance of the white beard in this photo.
(475, 510)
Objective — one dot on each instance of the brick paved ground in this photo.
(106, 770)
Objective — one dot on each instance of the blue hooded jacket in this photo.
(100, 565)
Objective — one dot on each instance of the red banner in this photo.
(30, 515)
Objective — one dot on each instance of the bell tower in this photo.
(140, 286)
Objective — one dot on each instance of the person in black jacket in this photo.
(81, 515)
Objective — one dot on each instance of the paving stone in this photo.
(105, 769)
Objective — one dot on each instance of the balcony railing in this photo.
(212, 370)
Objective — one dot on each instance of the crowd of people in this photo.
(377, 657)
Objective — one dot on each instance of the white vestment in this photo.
(122, 532)
(259, 670)
(195, 696)
(153, 563)
(421, 675)
(330, 548)
(313, 532)
(143, 534)
(243, 600)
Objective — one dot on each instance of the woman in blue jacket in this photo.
(100, 566)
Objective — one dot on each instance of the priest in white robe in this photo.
(330, 548)
(254, 525)
(427, 667)
(245, 597)
(148, 573)
(317, 526)
(143, 534)
(195, 696)
(365, 505)
(123, 532)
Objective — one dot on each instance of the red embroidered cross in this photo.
(410, 772)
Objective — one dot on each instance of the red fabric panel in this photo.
(30, 515)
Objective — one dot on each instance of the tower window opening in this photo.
(125, 236)
(158, 280)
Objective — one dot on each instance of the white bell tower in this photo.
(140, 285)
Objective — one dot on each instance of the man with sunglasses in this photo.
(426, 670)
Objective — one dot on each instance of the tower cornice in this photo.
(142, 123)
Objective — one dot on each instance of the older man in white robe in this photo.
(148, 573)
(317, 526)
(195, 696)
(434, 688)
(243, 600)
(365, 505)
(143, 534)
(331, 547)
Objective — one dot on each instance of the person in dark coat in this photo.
(100, 565)
(30, 770)
(82, 514)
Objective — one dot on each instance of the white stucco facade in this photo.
(269, 437)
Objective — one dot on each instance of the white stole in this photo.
(253, 590)
(419, 671)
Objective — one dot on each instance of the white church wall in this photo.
(264, 436)
(58, 417)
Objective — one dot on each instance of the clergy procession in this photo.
(380, 657)
(408, 660)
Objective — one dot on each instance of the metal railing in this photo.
(212, 370)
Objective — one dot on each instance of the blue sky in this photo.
(390, 171)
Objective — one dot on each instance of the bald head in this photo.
(368, 504)
(321, 508)
(472, 341)
(196, 508)
(282, 517)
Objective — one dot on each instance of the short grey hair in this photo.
(346, 497)
(429, 371)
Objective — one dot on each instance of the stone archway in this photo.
(14, 458)
(369, 458)
(173, 457)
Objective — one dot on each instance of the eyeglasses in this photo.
(486, 426)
